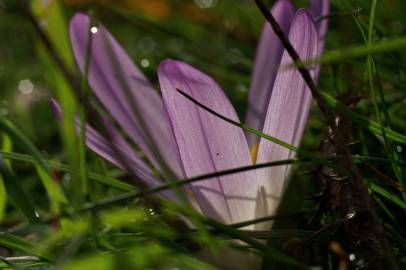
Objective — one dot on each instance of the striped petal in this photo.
(103, 147)
(319, 9)
(268, 57)
(128, 159)
(288, 109)
(124, 90)
(208, 144)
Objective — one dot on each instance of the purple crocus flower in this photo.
(268, 58)
(190, 140)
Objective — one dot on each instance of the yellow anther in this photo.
(254, 153)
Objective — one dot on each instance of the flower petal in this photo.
(138, 167)
(111, 71)
(207, 143)
(288, 109)
(320, 9)
(101, 146)
(268, 57)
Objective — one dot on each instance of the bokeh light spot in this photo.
(144, 63)
(94, 29)
(26, 87)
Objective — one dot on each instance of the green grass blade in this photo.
(376, 91)
(388, 195)
(6, 145)
(253, 130)
(56, 29)
(16, 193)
(361, 51)
(363, 121)
(109, 181)
(3, 198)
(83, 185)
(266, 250)
(54, 191)
(18, 243)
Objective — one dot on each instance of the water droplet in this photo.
(206, 3)
(144, 63)
(399, 148)
(26, 87)
(94, 29)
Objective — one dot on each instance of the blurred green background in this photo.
(218, 37)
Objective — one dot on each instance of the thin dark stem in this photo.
(269, 218)
(347, 162)
(137, 194)
(295, 57)
(252, 130)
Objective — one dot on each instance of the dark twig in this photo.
(347, 162)
(295, 57)
(138, 194)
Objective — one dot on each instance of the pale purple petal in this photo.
(103, 147)
(268, 57)
(288, 109)
(320, 9)
(56, 108)
(133, 162)
(109, 66)
(208, 144)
